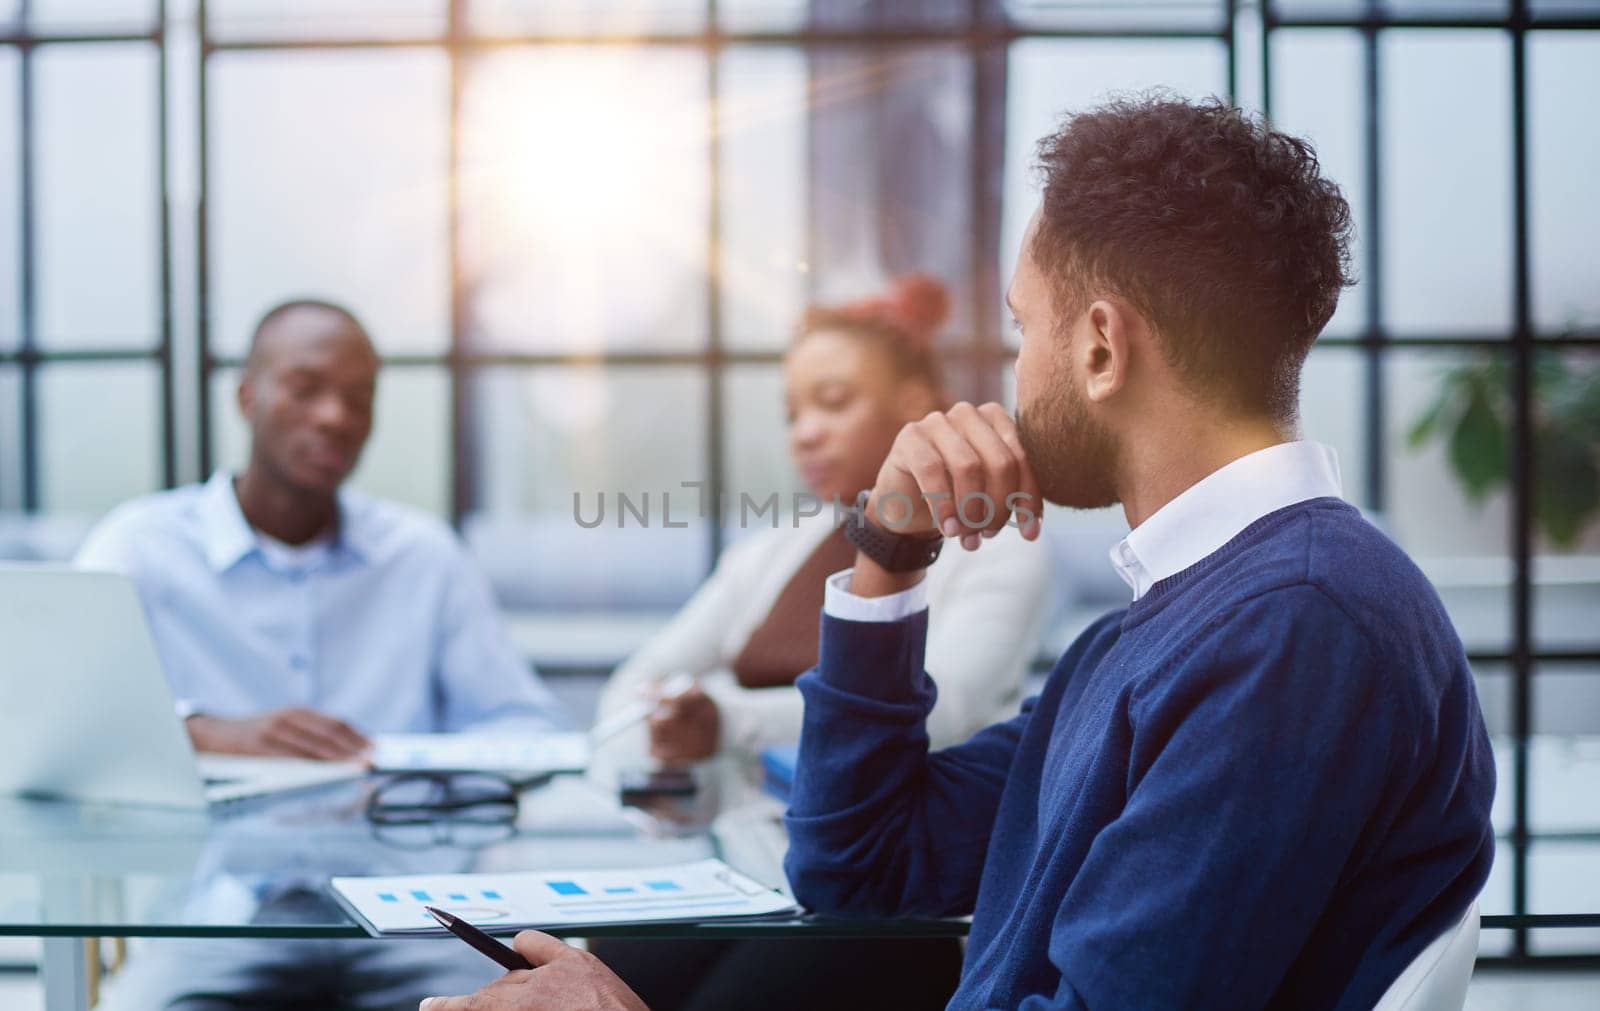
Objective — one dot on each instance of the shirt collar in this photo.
(1215, 510)
(228, 537)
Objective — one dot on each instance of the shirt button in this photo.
(298, 662)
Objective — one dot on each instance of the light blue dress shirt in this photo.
(388, 626)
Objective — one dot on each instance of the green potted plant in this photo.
(1472, 415)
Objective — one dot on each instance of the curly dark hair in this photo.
(1219, 229)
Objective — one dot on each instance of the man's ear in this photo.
(1106, 350)
(245, 396)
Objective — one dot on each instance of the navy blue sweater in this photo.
(1264, 784)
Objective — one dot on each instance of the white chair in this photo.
(1437, 979)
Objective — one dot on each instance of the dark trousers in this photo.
(787, 974)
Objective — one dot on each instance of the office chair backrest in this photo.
(1436, 980)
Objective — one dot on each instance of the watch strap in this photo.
(893, 552)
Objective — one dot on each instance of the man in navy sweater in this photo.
(1264, 784)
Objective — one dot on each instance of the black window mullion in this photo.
(463, 458)
(37, 357)
(27, 377)
(30, 355)
(169, 420)
(1522, 352)
(1375, 495)
(1230, 36)
(1268, 25)
(714, 39)
(964, 347)
(715, 364)
(202, 246)
(989, 69)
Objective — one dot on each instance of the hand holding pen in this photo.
(663, 691)
(545, 974)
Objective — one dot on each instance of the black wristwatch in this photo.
(893, 552)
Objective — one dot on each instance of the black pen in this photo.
(507, 957)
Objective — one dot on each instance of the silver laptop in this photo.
(86, 712)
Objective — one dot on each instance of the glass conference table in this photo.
(259, 868)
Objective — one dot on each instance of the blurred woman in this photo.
(854, 375)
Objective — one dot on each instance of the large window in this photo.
(581, 230)
(83, 257)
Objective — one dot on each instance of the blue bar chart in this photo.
(706, 889)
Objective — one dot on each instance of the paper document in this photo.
(524, 755)
(702, 890)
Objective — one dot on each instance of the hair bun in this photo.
(918, 304)
(912, 309)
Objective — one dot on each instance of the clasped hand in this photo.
(961, 473)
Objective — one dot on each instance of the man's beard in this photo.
(1074, 458)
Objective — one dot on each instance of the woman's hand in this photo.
(685, 728)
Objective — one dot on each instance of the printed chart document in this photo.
(702, 890)
(516, 756)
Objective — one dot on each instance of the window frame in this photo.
(985, 33)
(28, 356)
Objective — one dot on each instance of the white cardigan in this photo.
(985, 610)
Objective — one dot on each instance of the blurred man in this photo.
(1264, 784)
(295, 617)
